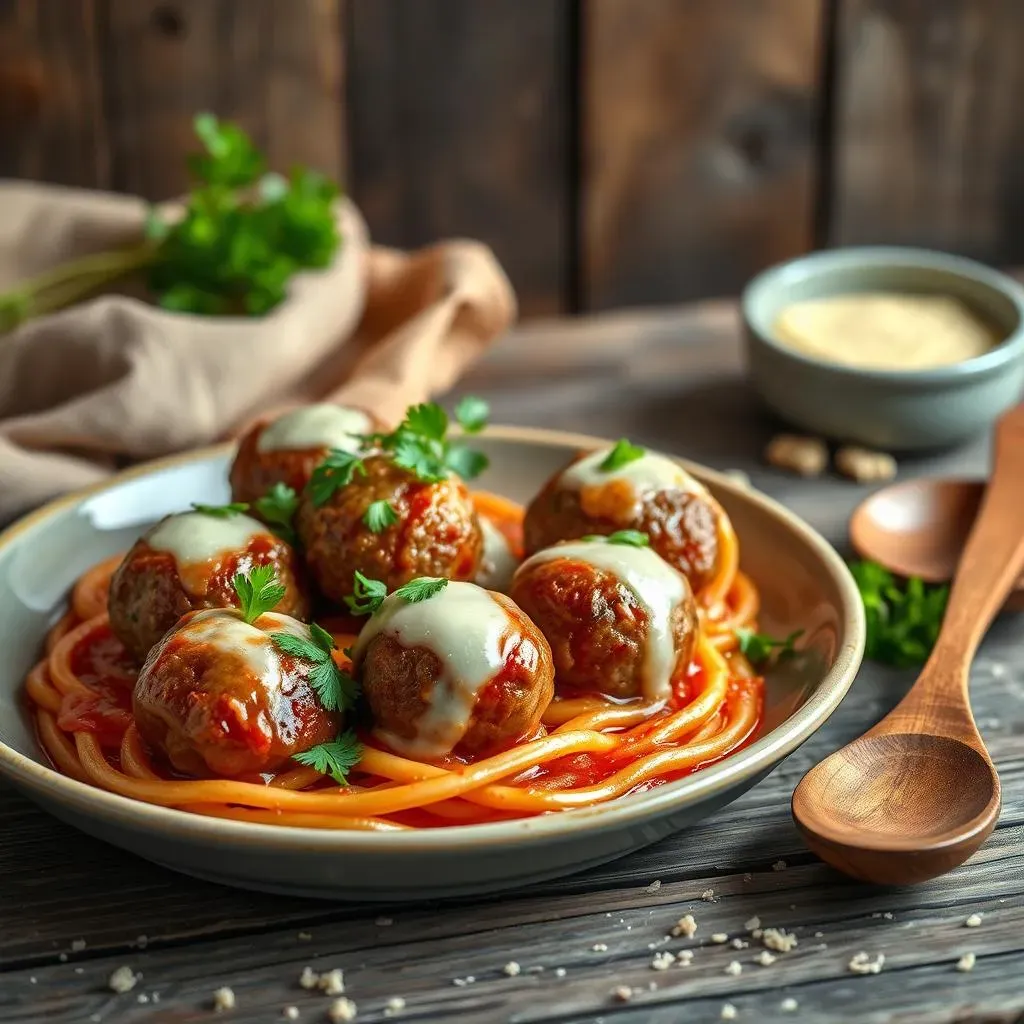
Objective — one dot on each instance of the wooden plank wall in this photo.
(613, 152)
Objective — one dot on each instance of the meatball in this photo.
(288, 449)
(435, 533)
(620, 620)
(188, 561)
(218, 697)
(463, 673)
(652, 494)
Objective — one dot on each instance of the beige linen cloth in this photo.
(114, 380)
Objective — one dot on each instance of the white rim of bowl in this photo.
(759, 756)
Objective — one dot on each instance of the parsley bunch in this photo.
(903, 619)
(241, 238)
(762, 649)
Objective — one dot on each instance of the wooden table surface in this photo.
(72, 909)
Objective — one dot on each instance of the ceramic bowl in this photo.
(804, 585)
(893, 411)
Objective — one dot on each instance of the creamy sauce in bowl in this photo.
(886, 330)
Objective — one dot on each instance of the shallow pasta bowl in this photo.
(804, 586)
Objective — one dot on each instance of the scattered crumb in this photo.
(720, 938)
(778, 939)
(974, 921)
(685, 926)
(863, 964)
(535, 969)
(753, 924)
(511, 968)
(734, 969)
(622, 994)
(332, 982)
(77, 945)
(789, 1005)
(384, 922)
(819, 935)
(654, 886)
(341, 1011)
(463, 982)
(394, 1006)
(122, 980)
(966, 962)
(600, 947)
(779, 865)
(32, 979)
(223, 999)
(308, 979)
(863, 465)
(708, 895)
(728, 1012)
(79, 970)
(142, 998)
(998, 670)
(63, 958)
(559, 972)
(304, 936)
(290, 1013)
(739, 943)
(684, 957)
(663, 961)
(142, 941)
(805, 456)
(765, 959)
(887, 915)
(748, 877)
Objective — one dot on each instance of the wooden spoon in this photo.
(919, 528)
(918, 794)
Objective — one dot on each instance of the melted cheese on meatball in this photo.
(194, 538)
(226, 631)
(497, 562)
(470, 633)
(315, 426)
(658, 588)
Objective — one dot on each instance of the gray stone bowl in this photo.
(892, 410)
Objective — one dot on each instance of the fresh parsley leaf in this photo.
(420, 589)
(472, 414)
(466, 462)
(258, 592)
(336, 689)
(379, 515)
(630, 538)
(277, 507)
(421, 456)
(903, 618)
(761, 648)
(336, 758)
(428, 420)
(367, 595)
(621, 454)
(235, 508)
(335, 472)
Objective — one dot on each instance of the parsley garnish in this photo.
(632, 538)
(336, 689)
(236, 508)
(420, 589)
(277, 507)
(621, 454)
(258, 592)
(336, 758)
(761, 648)
(379, 516)
(903, 619)
(472, 414)
(367, 595)
(335, 472)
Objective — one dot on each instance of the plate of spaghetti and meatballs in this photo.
(384, 661)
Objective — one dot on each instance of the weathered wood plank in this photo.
(460, 126)
(699, 144)
(277, 69)
(51, 117)
(928, 138)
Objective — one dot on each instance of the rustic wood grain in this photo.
(927, 131)
(699, 144)
(460, 126)
(276, 68)
(51, 118)
(672, 380)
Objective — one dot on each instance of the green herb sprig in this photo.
(628, 538)
(336, 471)
(241, 238)
(234, 508)
(903, 618)
(762, 649)
(335, 758)
(277, 507)
(622, 454)
(336, 689)
(368, 595)
(258, 592)
(379, 515)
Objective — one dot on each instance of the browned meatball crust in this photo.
(398, 682)
(597, 629)
(148, 594)
(683, 527)
(437, 532)
(212, 711)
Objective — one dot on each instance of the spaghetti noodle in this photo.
(592, 749)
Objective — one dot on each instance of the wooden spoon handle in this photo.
(994, 554)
